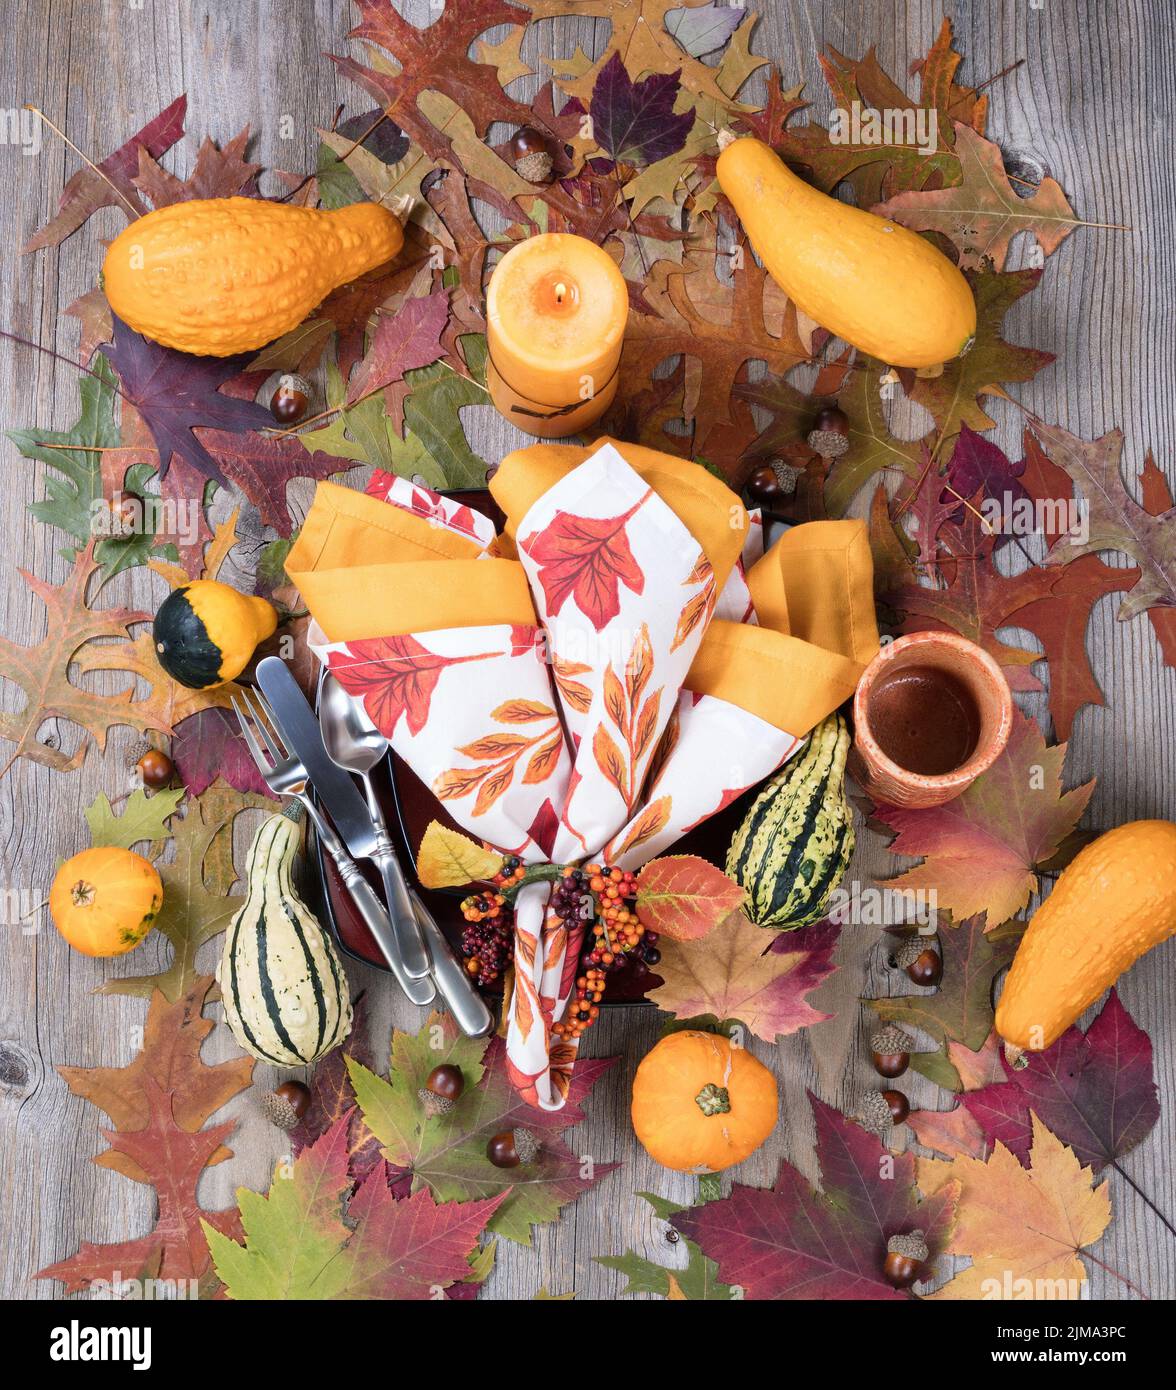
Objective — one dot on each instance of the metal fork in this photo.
(286, 776)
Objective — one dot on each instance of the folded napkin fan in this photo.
(614, 668)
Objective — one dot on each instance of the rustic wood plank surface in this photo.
(1091, 104)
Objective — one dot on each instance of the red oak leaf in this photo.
(586, 558)
(393, 676)
(172, 1160)
(1095, 1090)
(1156, 496)
(789, 1242)
(411, 337)
(93, 188)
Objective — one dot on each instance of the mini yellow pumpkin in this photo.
(104, 901)
(701, 1105)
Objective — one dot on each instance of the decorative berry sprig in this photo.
(599, 894)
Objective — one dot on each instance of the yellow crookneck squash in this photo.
(872, 282)
(218, 276)
(701, 1105)
(1113, 902)
(206, 632)
(104, 901)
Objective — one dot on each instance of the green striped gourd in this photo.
(795, 843)
(285, 993)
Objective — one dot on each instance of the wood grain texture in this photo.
(1092, 102)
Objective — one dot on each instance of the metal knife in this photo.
(349, 812)
(339, 795)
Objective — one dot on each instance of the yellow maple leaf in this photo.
(1022, 1227)
(448, 859)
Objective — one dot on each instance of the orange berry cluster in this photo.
(605, 895)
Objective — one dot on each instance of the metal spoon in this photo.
(354, 745)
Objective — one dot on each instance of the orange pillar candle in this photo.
(555, 312)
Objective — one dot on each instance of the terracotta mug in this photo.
(951, 684)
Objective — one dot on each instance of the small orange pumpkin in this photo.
(701, 1105)
(104, 901)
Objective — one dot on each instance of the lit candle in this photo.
(555, 312)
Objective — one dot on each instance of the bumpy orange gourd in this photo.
(104, 901)
(219, 276)
(701, 1105)
(879, 286)
(1116, 900)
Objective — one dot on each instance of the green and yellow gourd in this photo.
(796, 841)
(206, 632)
(285, 993)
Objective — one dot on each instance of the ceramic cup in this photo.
(884, 780)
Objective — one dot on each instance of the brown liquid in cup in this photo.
(924, 719)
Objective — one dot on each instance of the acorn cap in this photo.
(874, 1114)
(526, 1145)
(828, 443)
(534, 167)
(912, 948)
(890, 1040)
(912, 1244)
(279, 1111)
(433, 1103)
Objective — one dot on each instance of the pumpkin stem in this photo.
(713, 1100)
(82, 893)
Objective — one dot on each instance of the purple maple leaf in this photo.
(1094, 1090)
(634, 122)
(977, 463)
(208, 745)
(789, 1242)
(177, 393)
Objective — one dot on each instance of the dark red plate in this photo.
(409, 806)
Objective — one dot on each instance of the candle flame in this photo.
(561, 291)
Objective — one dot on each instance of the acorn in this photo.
(512, 1147)
(286, 1104)
(920, 959)
(898, 1105)
(829, 436)
(155, 769)
(290, 400)
(890, 1051)
(124, 515)
(771, 482)
(874, 1114)
(446, 1080)
(531, 155)
(905, 1257)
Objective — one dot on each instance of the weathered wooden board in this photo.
(1092, 103)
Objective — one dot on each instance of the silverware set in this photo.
(296, 753)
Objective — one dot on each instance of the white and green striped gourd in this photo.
(284, 990)
(796, 841)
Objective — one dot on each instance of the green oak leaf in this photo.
(73, 484)
(144, 818)
(365, 433)
(433, 412)
(697, 1281)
